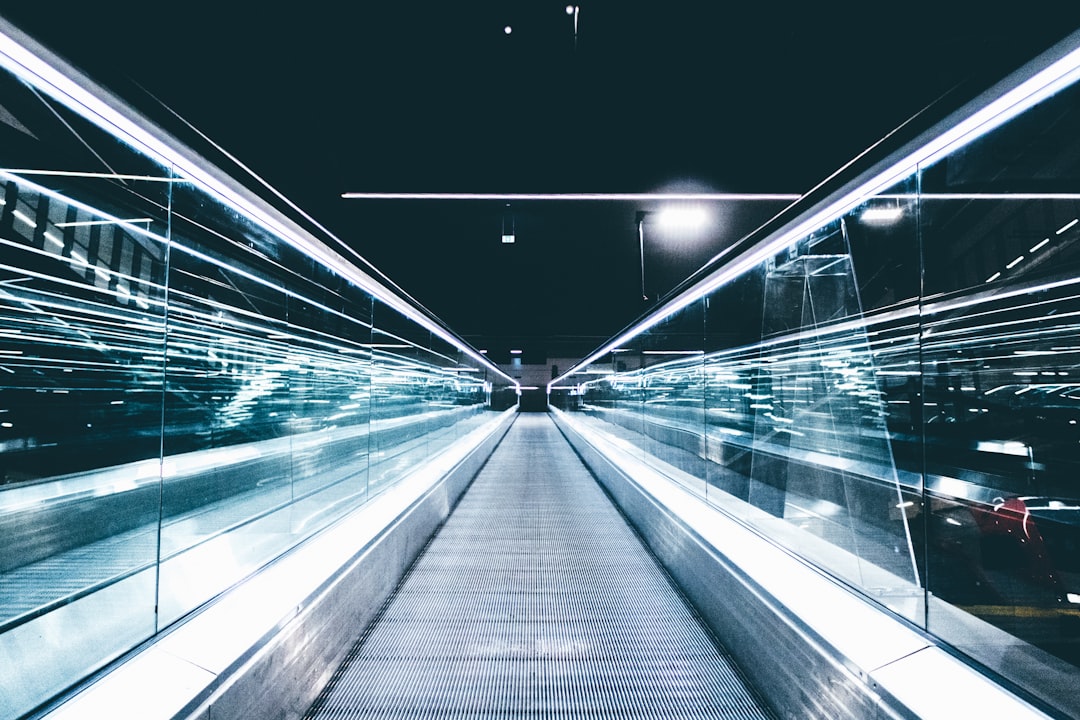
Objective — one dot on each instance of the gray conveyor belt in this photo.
(536, 599)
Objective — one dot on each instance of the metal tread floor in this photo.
(536, 600)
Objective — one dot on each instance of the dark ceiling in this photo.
(322, 98)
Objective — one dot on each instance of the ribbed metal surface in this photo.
(536, 600)
(26, 589)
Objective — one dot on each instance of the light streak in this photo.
(108, 176)
(81, 223)
(66, 85)
(577, 197)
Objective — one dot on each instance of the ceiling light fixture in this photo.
(682, 218)
(622, 197)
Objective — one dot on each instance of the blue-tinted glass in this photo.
(1001, 411)
(82, 266)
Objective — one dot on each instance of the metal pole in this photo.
(576, 10)
(641, 249)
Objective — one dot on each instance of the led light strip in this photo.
(44, 71)
(690, 197)
(1042, 84)
(625, 197)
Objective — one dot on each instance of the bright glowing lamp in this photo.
(676, 221)
(682, 218)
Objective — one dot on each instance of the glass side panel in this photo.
(83, 222)
(330, 330)
(882, 237)
(728, 435)
(184, 396)
(449, 392)
(227, 442)
(611, 392)
(803, 414)
(673, 395)
(425, 394)
(1000, 357)
(769, 398)
(468, 389)
(892, 397)
(400, 416)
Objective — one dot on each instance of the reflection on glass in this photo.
(421, 390)
(184, 396)
(894, 396)
(793, 422)
(1001, 409)
(82, 306)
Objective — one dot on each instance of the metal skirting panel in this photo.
(536, 599)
